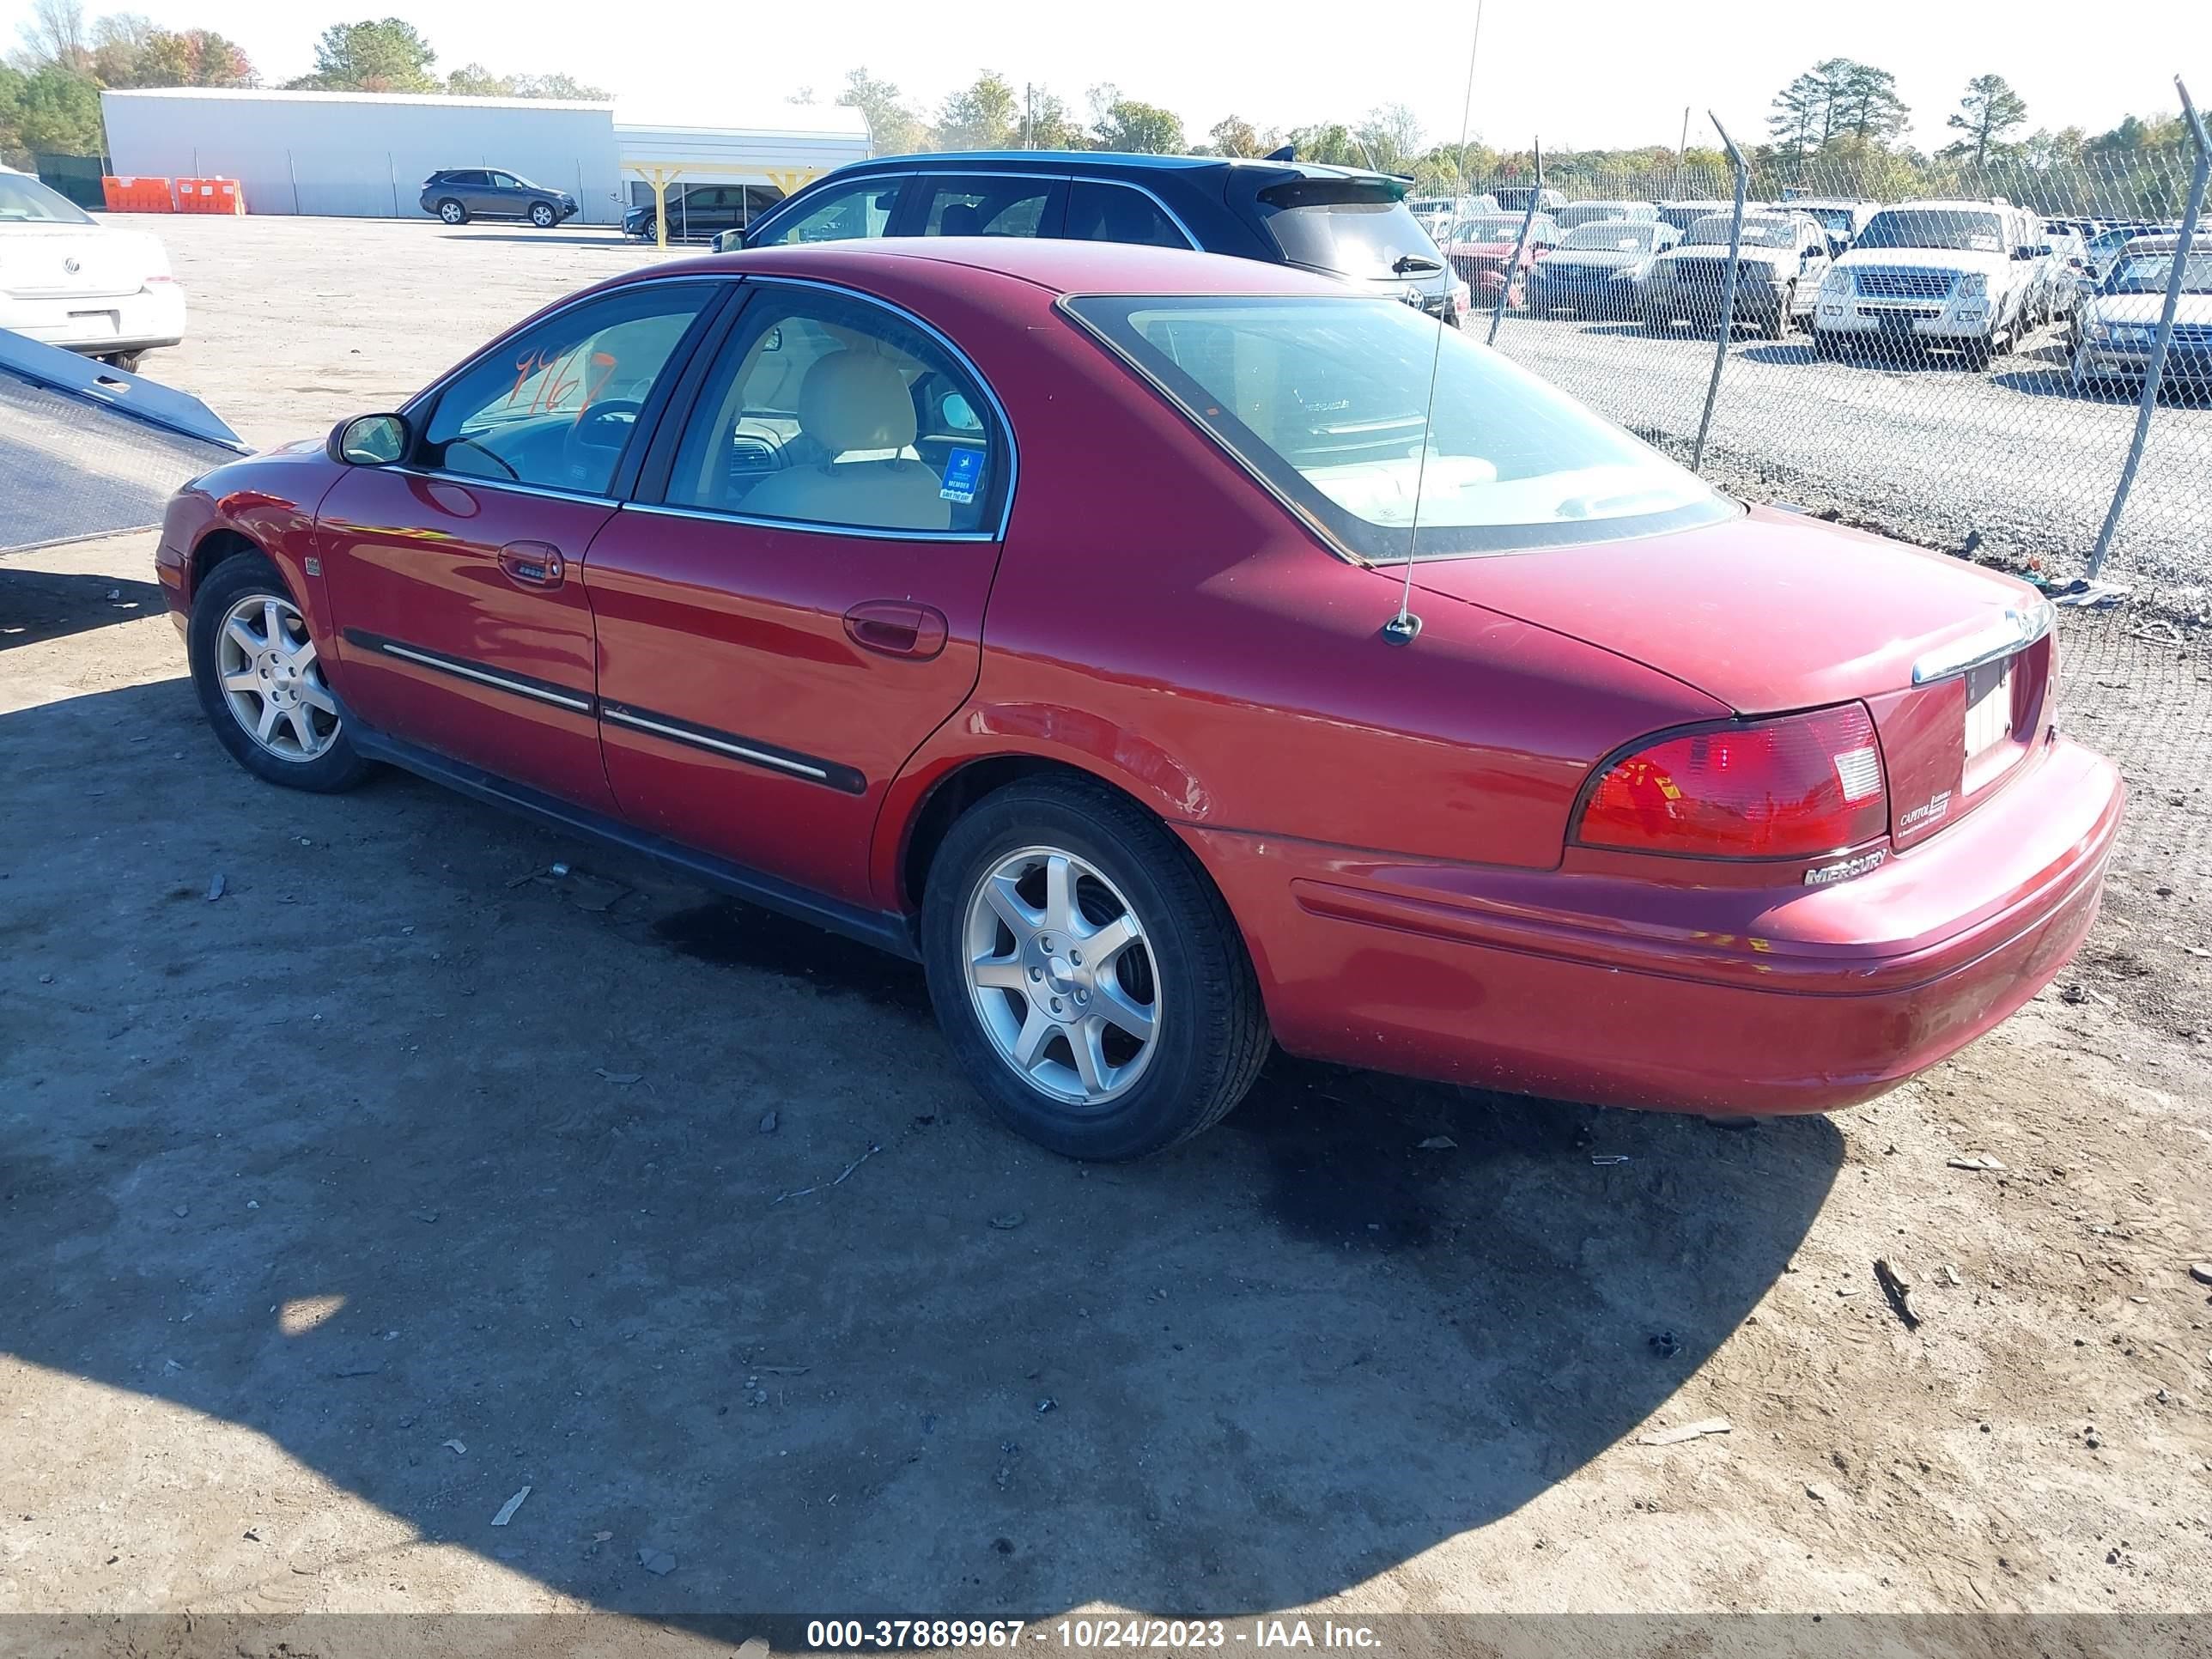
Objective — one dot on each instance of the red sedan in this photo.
(1033, 610)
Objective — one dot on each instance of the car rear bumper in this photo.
(123, 322)
(1719, 999)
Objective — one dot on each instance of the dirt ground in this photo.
(356, 1173)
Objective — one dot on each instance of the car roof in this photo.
(1102, 161)
(1954, 205)
(1058, 266)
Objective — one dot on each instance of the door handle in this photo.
(532, 564)
(897, 627)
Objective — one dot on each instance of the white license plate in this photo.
(1989, 706)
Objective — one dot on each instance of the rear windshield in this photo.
(1351, 228)
(1757, 232)
(1614, 236)
(1328, 400)
(1935, 228)
(25, 201)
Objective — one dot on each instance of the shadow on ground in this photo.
(45, 605)
(507, 1142)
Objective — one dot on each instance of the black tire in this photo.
(1777, 326)
(453, 212)
(1827, 347)
(542, 216)
(1213, 1030)
(1977, 352)
(1658, 322)
(240, 576)
(128, 362)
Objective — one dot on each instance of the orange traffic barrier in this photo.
(210, 196)
(133, 195)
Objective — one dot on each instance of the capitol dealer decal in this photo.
(963, 470)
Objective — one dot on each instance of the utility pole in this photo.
(1682, 150)
(1028, 116)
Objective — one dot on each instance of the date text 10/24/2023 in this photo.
(854, 1635)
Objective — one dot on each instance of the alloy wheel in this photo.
(1062, 977)
(273, 681)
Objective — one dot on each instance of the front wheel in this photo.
(453, 212)
(1088, 977)
(259, 677)
(1777, 325)
(543, 216)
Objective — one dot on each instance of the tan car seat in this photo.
(856, 403)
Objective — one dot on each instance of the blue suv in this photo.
(1350, 224)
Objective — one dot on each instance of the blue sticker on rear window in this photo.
(963, 470)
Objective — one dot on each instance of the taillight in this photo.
(1798, 787)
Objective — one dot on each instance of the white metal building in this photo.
(360, 155)
(736, 143)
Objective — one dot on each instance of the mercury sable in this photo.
(1038, 609)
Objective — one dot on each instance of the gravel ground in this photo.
(399, 1175)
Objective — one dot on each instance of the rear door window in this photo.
(1099, 211)
(978, 206)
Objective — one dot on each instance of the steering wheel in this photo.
(595, 436)
(488, 453)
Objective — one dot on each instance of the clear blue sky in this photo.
(1586, 73)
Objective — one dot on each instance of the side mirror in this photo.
(369, 440)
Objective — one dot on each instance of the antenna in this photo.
(1401, 627)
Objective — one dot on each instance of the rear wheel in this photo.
(1087, 976)
(128, 362)
(1658, 322)
(453, 212)
(543, 216)
(259, 677)
(1777, 325)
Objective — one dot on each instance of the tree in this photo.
(54, 33)
(985, 115)
(893, 128)
(1866, 102)
(1989, 110)
(371, 56)
(1330, 142)
(1145, 129)
(1049, 124)
(1233, 135)
(1391, 137)
(51, 109)
(560, 86)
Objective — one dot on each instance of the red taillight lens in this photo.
(1793, 788)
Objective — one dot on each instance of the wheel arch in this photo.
(221, 541)
(959, 787)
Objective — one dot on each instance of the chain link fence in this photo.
(2006, 358)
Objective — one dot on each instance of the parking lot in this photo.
(359, 1172)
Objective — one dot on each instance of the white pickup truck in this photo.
(1950, 275)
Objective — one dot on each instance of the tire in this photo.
(1209, 1030)
(1658, 322)
(453, 212)
(1777, 326)
(1827, 347)
(543, 216)
(128, 362)
(249, 582)
(1978, 352)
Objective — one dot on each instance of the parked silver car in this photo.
(1779, 264)
(2118, 322)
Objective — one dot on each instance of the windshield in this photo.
(1957, 230)
(1352, 230)
(1326, 399)
(1757, 232)
(25, 201)
(2148, 273)
(1615, 236)
(1835, 219)
(1492, 228)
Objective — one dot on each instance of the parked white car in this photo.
(1954, 275)
(71, 281)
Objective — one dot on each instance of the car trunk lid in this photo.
(71, 262)
(1773, 612)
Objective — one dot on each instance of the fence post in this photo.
(2156, 370)
(1520, 247)
(1727, 291)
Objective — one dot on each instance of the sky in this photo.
(1588, 74)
